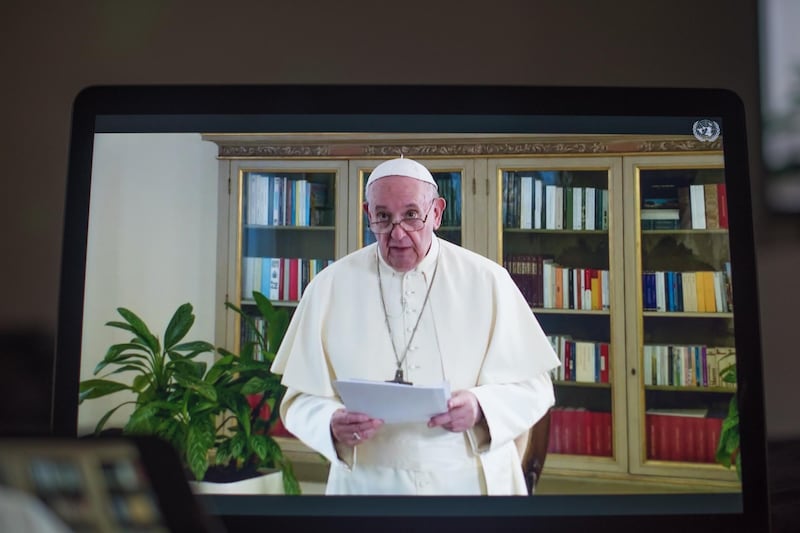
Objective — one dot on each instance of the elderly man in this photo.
(414, 308)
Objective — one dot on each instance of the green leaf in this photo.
(254, 385)
(102, 422)
(183, 367)
(146, 417)
(140, 329)
(238, 444)
(95, 388)
(201, 387)
(130, 367)
(221, 366)
(199, 441)
(179, 325)
(258, 443)
(290, 484)
(119, 353)
(195, 347)
(141, 382)
(223, 455)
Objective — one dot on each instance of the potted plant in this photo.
(728, 446)
(202, 411)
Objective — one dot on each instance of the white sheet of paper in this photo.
(393, 402)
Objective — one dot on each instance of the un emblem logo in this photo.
(705, 130)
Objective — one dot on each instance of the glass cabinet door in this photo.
(559, 237)
(450, 176)
(683, 295)
(287, 221)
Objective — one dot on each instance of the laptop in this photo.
(108, 484)
(191, 136)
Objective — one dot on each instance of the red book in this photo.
(294, 277)
(689, 450)
(608, 435)
(604, 362)
(662, 436)
(677, 440)
(651, 436)
(583, 433)
(569, 440)
(722, 200)
(554, 443)
(713, 429)
(701, 440)
(598, 435)
(568, 345)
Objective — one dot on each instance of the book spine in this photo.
(722, 205)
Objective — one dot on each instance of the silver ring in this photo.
(356, 436)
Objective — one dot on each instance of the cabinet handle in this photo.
(633, 371)
(487, 186)
(473, 186)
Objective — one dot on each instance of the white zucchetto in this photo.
(402, 166)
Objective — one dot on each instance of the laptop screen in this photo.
(622, 215)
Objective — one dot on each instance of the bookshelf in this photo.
(634, 226)
(281, 222)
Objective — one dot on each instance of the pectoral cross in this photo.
(398, 378)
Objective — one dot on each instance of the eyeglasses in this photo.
(413, 223)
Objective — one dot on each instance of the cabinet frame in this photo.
(481, 161)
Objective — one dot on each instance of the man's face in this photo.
(397, 197)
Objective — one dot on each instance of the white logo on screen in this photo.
(705, 130)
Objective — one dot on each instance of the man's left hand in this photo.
(463, 412)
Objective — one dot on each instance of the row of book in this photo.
(286, 201)
(546, 284)
(687, 365)
(581, 361)
(701, 291)
(579, 431)
(682, 435)
(450, 189)
(530, 202)
(279, 278)
(702, 206)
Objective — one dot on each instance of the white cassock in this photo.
(476, 332)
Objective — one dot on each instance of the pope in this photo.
(416, 309)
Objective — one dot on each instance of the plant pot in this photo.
(270, 483)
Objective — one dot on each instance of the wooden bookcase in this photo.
(611, 406)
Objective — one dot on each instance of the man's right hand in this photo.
(353, 428)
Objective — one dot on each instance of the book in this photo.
(684, 208)
(526, 202)
(660, 214)
(577, 208)
(559, 208)
(722, 205)
(711, 205)
(538, 192)
(589, 211)
(697, 197)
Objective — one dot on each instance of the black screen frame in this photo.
(174, 107)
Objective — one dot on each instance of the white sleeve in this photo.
(510, 410)
(308, 417)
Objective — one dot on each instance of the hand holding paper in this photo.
(392, 402)
(463, 413)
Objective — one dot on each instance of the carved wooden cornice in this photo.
(232, 149)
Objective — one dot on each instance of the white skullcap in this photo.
(402, 166)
